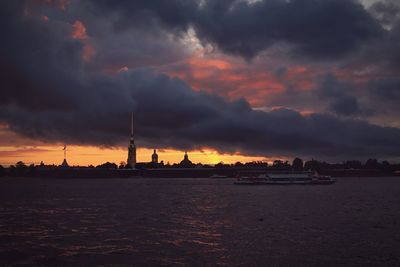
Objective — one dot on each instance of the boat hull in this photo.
(282, 179)
(283, 183)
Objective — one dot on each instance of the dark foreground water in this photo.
(198, 222)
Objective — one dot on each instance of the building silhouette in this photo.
(186, 163)
(131, 162)
(64, 164)
(154, 157)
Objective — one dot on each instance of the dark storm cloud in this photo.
(36, 59)
(114, 49)
(387, 89)
(383, 54)
(48, 94)
(328, 95)
(386, 11)
(322, 29)
(386, 52)
(340, 96)
(318, 29)
(170, 114)
(345, 105)
(133, 47)
(385, 93)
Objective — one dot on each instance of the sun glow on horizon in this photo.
(91, 155)
(14, 148)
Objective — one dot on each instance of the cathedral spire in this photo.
(131, 162)
(132, 126)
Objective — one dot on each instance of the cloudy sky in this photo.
(225, 79)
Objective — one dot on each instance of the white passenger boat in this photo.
(283, 178)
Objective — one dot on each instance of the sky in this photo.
(226, 80)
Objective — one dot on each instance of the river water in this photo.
(198, 222)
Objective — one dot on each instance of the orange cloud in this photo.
(360, 74)
(79, 31)
(210, 63)
(233, 78)
(88, 52)
(301, 76)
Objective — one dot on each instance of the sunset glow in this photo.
(89, 155)
(14, 148)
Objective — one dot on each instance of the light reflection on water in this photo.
(200, 222)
